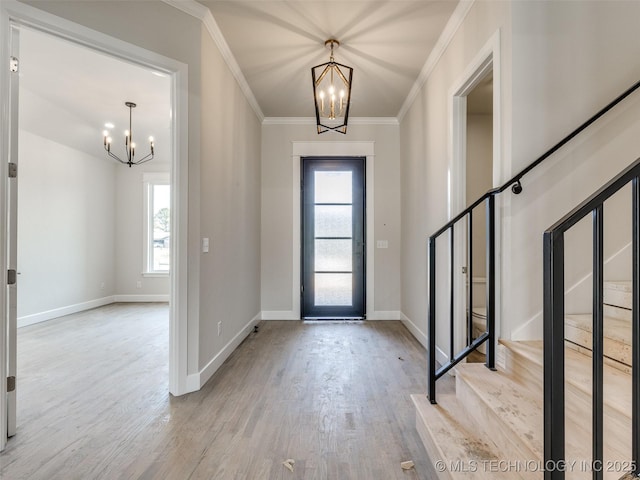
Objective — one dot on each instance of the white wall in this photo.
(130, 225)
(561, 62)
(224, 172)
(569, 60)
(278, 221)
(229, 185)
(91, 210)
(66, 225)
(426, 152)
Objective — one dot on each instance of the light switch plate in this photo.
(205, 245)
(382, 244)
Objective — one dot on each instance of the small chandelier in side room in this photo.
(129, 144)
(332, 92)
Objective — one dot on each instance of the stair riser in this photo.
(448, 443)
(617, 427)
(614, 349)
(607, 361)
(485, 420)
(432, 450)
(617, 312)
(617, 297)
(529, 374)
(523, 372)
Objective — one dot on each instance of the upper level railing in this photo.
(554, 314)
(488, 336)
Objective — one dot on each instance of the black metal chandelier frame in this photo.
(130, 146)
(338, 108)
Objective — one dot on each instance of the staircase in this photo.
(617, 327)
(491, 426)
(502, 423)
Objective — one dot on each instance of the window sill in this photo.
(155, 274)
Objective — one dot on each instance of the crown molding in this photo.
(202, 13)
(312, 121)
(450, 29)
(191, 7)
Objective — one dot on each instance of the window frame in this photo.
(149, 181)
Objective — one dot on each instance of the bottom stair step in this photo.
(504, 411)
(454, 451)
(511, 416)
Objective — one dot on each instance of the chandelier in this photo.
(332, 92)
(129, 145)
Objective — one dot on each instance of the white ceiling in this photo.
(69, 92)
(276, 43)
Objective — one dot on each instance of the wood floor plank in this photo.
(333, 396)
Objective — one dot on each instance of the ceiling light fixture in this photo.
(332, 92)
(129, 145)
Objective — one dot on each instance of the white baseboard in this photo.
(197, 381)
(290, 315)
(413, 328)
(62, 311)
(279, 315)
(140, 298)
(441, 357)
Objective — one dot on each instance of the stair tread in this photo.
(617, 383)
(614, 328)
(455, 444)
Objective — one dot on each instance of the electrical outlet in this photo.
(138, 284)
(219, 328)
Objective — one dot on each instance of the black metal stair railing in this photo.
(554, 313)
(486, 337)
(489, 336)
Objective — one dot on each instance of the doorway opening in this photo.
(85, 130)
(474, 168)
(479, 180)
(333, 254)
(81, 219)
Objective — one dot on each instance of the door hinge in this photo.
(464, 270)
(301, 289)
(13, 64)
(11, 384)
(13, 170)
(11, 277)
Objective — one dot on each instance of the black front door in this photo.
(333, 233)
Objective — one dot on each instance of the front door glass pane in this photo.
(333, 255)
(333, 221)
(333, 187)
(333, 289)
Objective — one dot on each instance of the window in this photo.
(157, 238)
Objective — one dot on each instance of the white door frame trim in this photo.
(487, 59)
(333, 149)
(12, 11)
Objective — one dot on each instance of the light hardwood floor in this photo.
(335, 397)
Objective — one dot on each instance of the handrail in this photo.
(515, 180)
(488, 337)
(553, 319)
